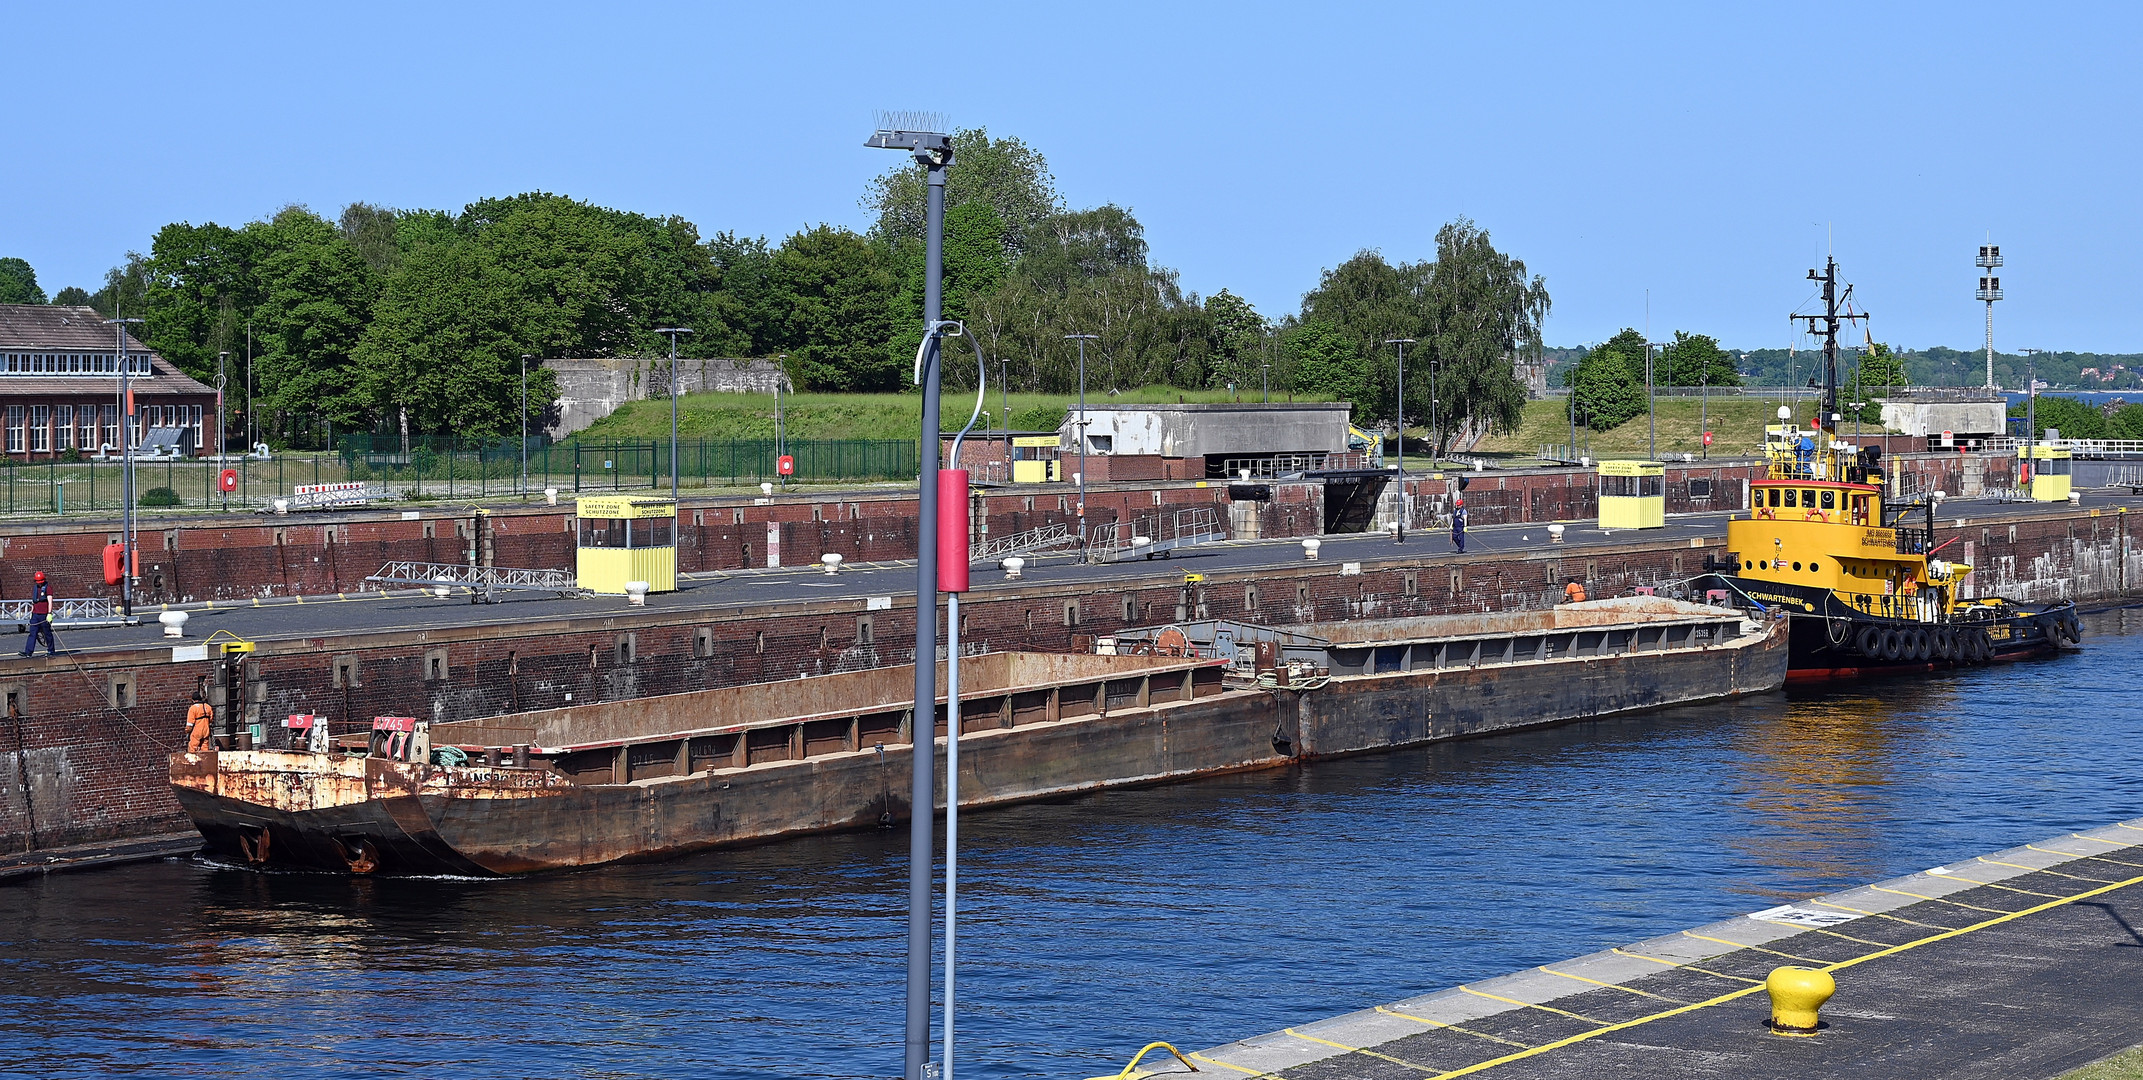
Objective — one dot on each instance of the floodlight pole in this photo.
(1400, 420)
(1082, 339)
(673, 331)
(126, 467)
(933, 151)
(1004, 404)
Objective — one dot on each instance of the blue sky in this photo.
(1696, 151)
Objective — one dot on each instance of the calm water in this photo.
(1197, 913)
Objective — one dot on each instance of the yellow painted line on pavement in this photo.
(1388, 1011)
(1609, 985)
(1753, 948)
(1879, 915)
(1939, 900)
(2093, 858)
(1688, 967)
(1359, 1050)
(1529, 1005)
(1992, 885)
(2036, 870)
(1227, 1065)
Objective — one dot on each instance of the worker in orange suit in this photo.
(199, 719)
(1573, 593)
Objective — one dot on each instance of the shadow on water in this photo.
(1196, 912)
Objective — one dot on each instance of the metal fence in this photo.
(440, 468)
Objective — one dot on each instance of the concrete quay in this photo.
(2019, 964)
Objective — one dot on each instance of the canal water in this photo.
(1197, 913)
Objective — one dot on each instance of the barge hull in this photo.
(374, 816)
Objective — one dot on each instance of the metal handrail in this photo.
(1035, 539)
(484, 578)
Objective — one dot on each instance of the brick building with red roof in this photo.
(59, 387)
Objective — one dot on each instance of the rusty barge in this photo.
(657, 777)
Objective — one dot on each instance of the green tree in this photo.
(1484, 314)
(372, 232)
(836, 291)
(975, 266)
(2073, 418)
(18, 283)
(1086, 273)
(1694, 360)
(2125, 423)
(1240, 340)
(1325, 362)
(1607, 385)
(1367, 302)
(1012, 177)
(72, 296)
(316, 295)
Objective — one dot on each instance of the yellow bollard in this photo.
(1796, 994)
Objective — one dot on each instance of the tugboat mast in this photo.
(1830, 319)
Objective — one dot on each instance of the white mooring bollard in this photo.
(1012, 567)
(831, 561)
(174, 623)
(636, 593)
(1555, 534)
(1309, 548)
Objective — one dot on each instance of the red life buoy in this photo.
(114, 563)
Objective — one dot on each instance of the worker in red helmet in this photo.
(40, 617)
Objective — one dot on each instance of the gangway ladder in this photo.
(481, 581)
(1041, 538)
(1118, 540)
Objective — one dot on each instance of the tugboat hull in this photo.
(1829, 639)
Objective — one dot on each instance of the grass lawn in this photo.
(1737, 425)
(2126, 1065)
(853, 416)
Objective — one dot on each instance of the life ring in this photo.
(1813, 515)
(1921, 650)
(1893, 644)
(1869, 642)
(1765, 512)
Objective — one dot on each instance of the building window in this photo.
(14, 429)
(197, 433)
(110, 413)
(88, 414)
(63, 428)
(40, 428)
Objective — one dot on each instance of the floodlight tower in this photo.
(923, 136)
(1990, 290)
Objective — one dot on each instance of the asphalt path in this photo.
(727, 592)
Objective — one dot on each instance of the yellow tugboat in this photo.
(1865, 590)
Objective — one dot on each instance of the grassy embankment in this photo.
(1737, 425)
(850, 416)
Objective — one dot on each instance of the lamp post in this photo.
(1400, 420)
(126, 466)
(525, 357)
(1651, 404)
(1704, 413)
(1082, 339)
(673, 331)
(249, 389)
(223, 437)
(781, 419)
(1004, 404)
(933, 151)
